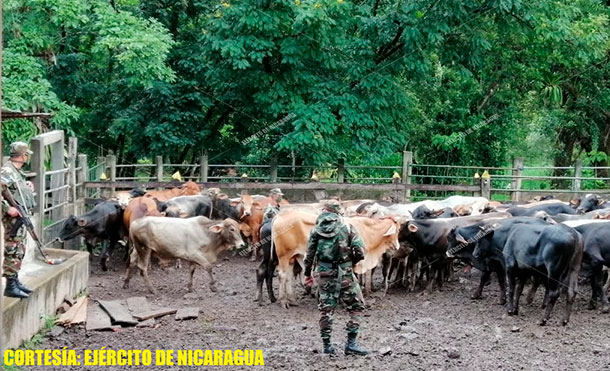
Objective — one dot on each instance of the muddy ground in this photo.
(442, 331)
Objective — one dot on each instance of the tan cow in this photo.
(186, 189)
(198, 240)
(290, 233)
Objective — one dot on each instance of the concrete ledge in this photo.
(23, 318)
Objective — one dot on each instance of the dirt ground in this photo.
(442, 331)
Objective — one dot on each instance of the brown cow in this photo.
(250, 225)
(290, 233)
(187, 189)
(198, 240)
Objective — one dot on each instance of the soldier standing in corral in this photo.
(337, 247)
(14, 232)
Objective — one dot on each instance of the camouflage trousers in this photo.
(349, 293)
(14, 248)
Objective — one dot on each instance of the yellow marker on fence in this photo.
(476, 175)
(485, 175)
(177, 176)
(396, 175)
(103, 176)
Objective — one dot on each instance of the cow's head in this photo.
(72, 227)
(541, 214)
(588, 203)
(391, 235)
(246, 203)
(229, 233)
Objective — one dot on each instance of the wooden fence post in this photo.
(576, 185)
(39, 182)
(203, 176)
(82, 177)
(486, 185)
(516, 182)
(99, 170)
(407, 170)
(159, 172)
(273, 170)
(111, 164)
(72, 153)
(341, 171)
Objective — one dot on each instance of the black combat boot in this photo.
(12, 291)
(328, 347)
(22, 287)
(352, 347)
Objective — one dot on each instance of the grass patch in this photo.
(36, 340)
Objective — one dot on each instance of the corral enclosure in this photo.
(442, 331)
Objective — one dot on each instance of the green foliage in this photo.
(464, 82)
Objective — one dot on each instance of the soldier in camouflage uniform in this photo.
(337, 247)
(14, 232)
(274, 207)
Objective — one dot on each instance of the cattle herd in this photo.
(546, 242)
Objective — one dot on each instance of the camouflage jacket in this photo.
(333, 241)
(14, 178)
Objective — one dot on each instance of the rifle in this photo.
(24, 219)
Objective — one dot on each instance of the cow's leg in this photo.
(283, 276)
(193, 267)
(570, 288)
(553, 294)
(479, 291)
(607, 284)
(519, 291)
(511, 291)
(441, 274)
(254, 252)
(269, 281)
(212, 280)
(131, 267)
(261, 273)
(502, 282)
(144, 268)
(415, 273)
(290, 296)
(532, 293)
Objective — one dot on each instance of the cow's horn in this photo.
(460, 238)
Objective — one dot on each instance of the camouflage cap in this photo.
(20, 148)
(333, 205)
(276, 191)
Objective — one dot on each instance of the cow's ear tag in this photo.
(81, 222)
(217, 228)
(413, 228)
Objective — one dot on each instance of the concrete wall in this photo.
(22, 319)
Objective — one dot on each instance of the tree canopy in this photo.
(460, 82)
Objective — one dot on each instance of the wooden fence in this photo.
(68, 179)
(408, 180)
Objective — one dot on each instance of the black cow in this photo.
(550, 208)
(102, 224)
(186, 206)
(429, 239)
(222, 209)
(463, 242)
(590, 202)
(266, 269)
(422, 212)
(550, 253)
(596, 255)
